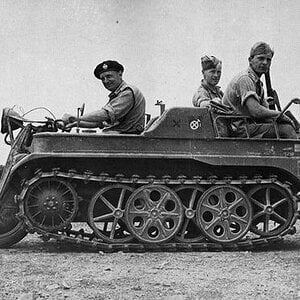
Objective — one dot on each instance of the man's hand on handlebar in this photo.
(68, 118)
(283, 118)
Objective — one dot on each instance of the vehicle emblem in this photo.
(195, 124)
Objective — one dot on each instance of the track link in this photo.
(89, 240)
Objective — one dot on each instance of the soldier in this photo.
(208, 90)
(245, 95)
(125, 109)
(210, 95)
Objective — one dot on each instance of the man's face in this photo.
(111, 79)
(212, 76)
(261, 63)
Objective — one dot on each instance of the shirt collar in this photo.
(214, 89)
(253, 75)
(119, 89)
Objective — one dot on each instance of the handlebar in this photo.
(293, 101)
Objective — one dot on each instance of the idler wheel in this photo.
(154, 213)
(224, 214)
(189, 232)
(273, 210)
(11, 228)
(51, 204)
(106, 213)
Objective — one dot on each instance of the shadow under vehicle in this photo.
(180, 185)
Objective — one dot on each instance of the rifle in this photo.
(272, 93)
(272, 104)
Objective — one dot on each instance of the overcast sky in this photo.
(49, 49)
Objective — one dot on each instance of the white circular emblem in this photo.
(195, 124)
(105, 67)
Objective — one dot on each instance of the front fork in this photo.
(19, 149)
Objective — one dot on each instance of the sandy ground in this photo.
(34, 269)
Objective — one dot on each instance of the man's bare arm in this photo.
(260, 112)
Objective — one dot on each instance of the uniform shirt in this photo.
(126, 109)
(246, 84)
(205, 93)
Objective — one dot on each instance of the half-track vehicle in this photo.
(180, 185)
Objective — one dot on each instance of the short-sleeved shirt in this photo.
(240, 88)
(205, 93)
(126, 109)
(246, 84)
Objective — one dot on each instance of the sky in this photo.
(49, 49)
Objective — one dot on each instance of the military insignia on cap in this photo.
(105, 66)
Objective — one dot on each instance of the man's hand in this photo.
(68, 118)
(268, 101)
(283, 118)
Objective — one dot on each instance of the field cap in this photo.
(209, 62)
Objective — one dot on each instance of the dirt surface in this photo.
(34, 269)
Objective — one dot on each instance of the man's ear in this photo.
(250, 58)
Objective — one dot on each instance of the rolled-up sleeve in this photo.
(119, 106)
(246, 89)
(200, 96)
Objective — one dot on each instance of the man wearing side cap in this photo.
(245, 95)
(208, 90)
(125, 110)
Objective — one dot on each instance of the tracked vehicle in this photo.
(180, 185)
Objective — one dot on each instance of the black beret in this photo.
(209, 62)
(108, 65)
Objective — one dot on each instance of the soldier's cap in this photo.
(107, 65)
(261, 48)
(209, 62)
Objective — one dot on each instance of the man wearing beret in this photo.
(245, 95)
(125, 109)
(208, 90)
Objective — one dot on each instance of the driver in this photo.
(245, 95)
(125, 110)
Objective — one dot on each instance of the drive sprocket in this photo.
(51, 204)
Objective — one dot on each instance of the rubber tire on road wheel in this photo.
(11, 228)
(13, 236)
